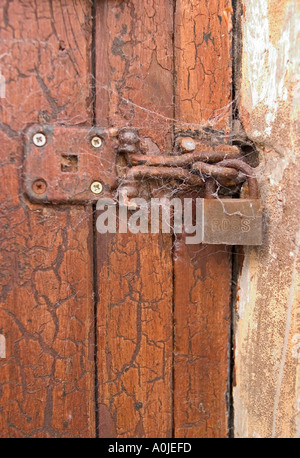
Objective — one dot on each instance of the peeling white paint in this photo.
(274, 168)
(270, 67)
(2, 346)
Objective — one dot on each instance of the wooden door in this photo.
(111, 335)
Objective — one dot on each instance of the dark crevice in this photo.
(238, 138)
(236, 55)
(231, 362)
(95, 269)
(174, 74)
(236, 125)
(93, 61)
(173, 254)
(96, 300)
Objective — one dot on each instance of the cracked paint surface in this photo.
(135, 337)
(202, 274)
(135, 334)
(46, 378)
(203, 64)
(135, 84)
(166, 68)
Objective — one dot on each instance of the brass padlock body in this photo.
(232, 221)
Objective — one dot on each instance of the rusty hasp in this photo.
(190, 157)
(177, 173)
(187, 150)
(64, 164)
(184, 159)
(247, 170)
(218, 172)
(79, 164)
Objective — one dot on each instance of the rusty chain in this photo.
(202, 167)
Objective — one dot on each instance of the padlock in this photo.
(233, 221)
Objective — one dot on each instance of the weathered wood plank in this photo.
(135, 336)
(202, 320)
(46, 310)
(134, 86)
(202, 274)
(203, 64)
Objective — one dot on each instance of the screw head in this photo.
(96, 187)
(39, 186)
(188, 144)
(96, 141)
(39, 139)
(128, 135)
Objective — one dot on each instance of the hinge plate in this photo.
(63, 164)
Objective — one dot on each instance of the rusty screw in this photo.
(39, 139)
(96, 141)
(129, 140)
(96, 187)
(39, 186)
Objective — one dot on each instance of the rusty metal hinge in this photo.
(69, 164)
(65, 164)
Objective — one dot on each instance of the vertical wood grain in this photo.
(202, 274)
(46, 310)
(134, 87)
(202, 37)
